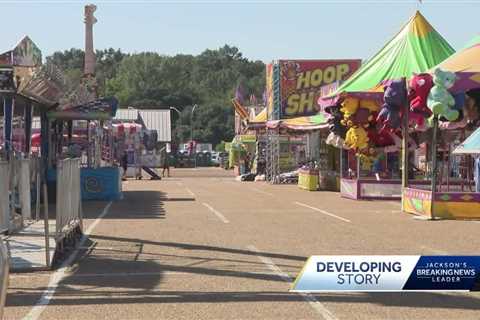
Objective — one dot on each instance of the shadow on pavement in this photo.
(104, 277)
(139, 205)
(70, 296)
(189, 246)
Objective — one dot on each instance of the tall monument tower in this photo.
(90, 20)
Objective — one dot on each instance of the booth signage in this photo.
(301, 82)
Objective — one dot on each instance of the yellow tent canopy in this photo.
(260, 117)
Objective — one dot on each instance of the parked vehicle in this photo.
(215, 158)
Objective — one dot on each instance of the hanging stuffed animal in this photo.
(337, 134)
(373, 108)
(380, 138)
(349, 107)
(360, 118)
(371, 105)
(440, 101)
(419, 86)
(395, 97)
(356, 138)
(334, 122)
(363, 116)
(335, 140)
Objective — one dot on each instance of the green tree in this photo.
(150, 80)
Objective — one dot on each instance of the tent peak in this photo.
(419, 25)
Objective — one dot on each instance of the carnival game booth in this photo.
(303, 148)
(455, 102)
(241, 147)
(26, 87)
(250, 139)
(292, 89)
(257, 125)
(127, 138)
(100, 177)
(366, 112)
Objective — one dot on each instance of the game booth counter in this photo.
(303, 149)
(100, 176)
(458, 113)
(297, 128)
(366, 113)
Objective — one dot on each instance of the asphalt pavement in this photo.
(200, 245)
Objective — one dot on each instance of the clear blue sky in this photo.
(262, 30)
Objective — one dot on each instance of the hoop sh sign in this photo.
(301, 81)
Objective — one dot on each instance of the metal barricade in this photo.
(4, 271)
(24, 187)
(68, 210)
(4, 196)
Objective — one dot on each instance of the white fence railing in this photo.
(18, 178)
(24, 187)
(4, 196)
(4, 271)
(69, 206)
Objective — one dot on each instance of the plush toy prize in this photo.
(356, 138)
(419, 86)
(394, 97)
(440, 101)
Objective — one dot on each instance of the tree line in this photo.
(152, 80)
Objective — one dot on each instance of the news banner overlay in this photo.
(389, 273)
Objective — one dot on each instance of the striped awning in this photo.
(239, 109)
(316, 122)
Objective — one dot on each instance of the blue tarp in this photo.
(471, 145)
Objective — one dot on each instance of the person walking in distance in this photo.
(124, 164)
(166, 165)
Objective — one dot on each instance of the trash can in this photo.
(308, 179)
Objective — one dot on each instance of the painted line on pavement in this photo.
(215, 212)
(61, 273)
(190, 192)
(263, 192)
(123, 274)
(322, 211)
(314, 303)
(439, 252)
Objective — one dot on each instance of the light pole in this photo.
(178, 111)
(194, 147)
(173, 140)
(175, 109)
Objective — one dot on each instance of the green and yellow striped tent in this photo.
(415, 49)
